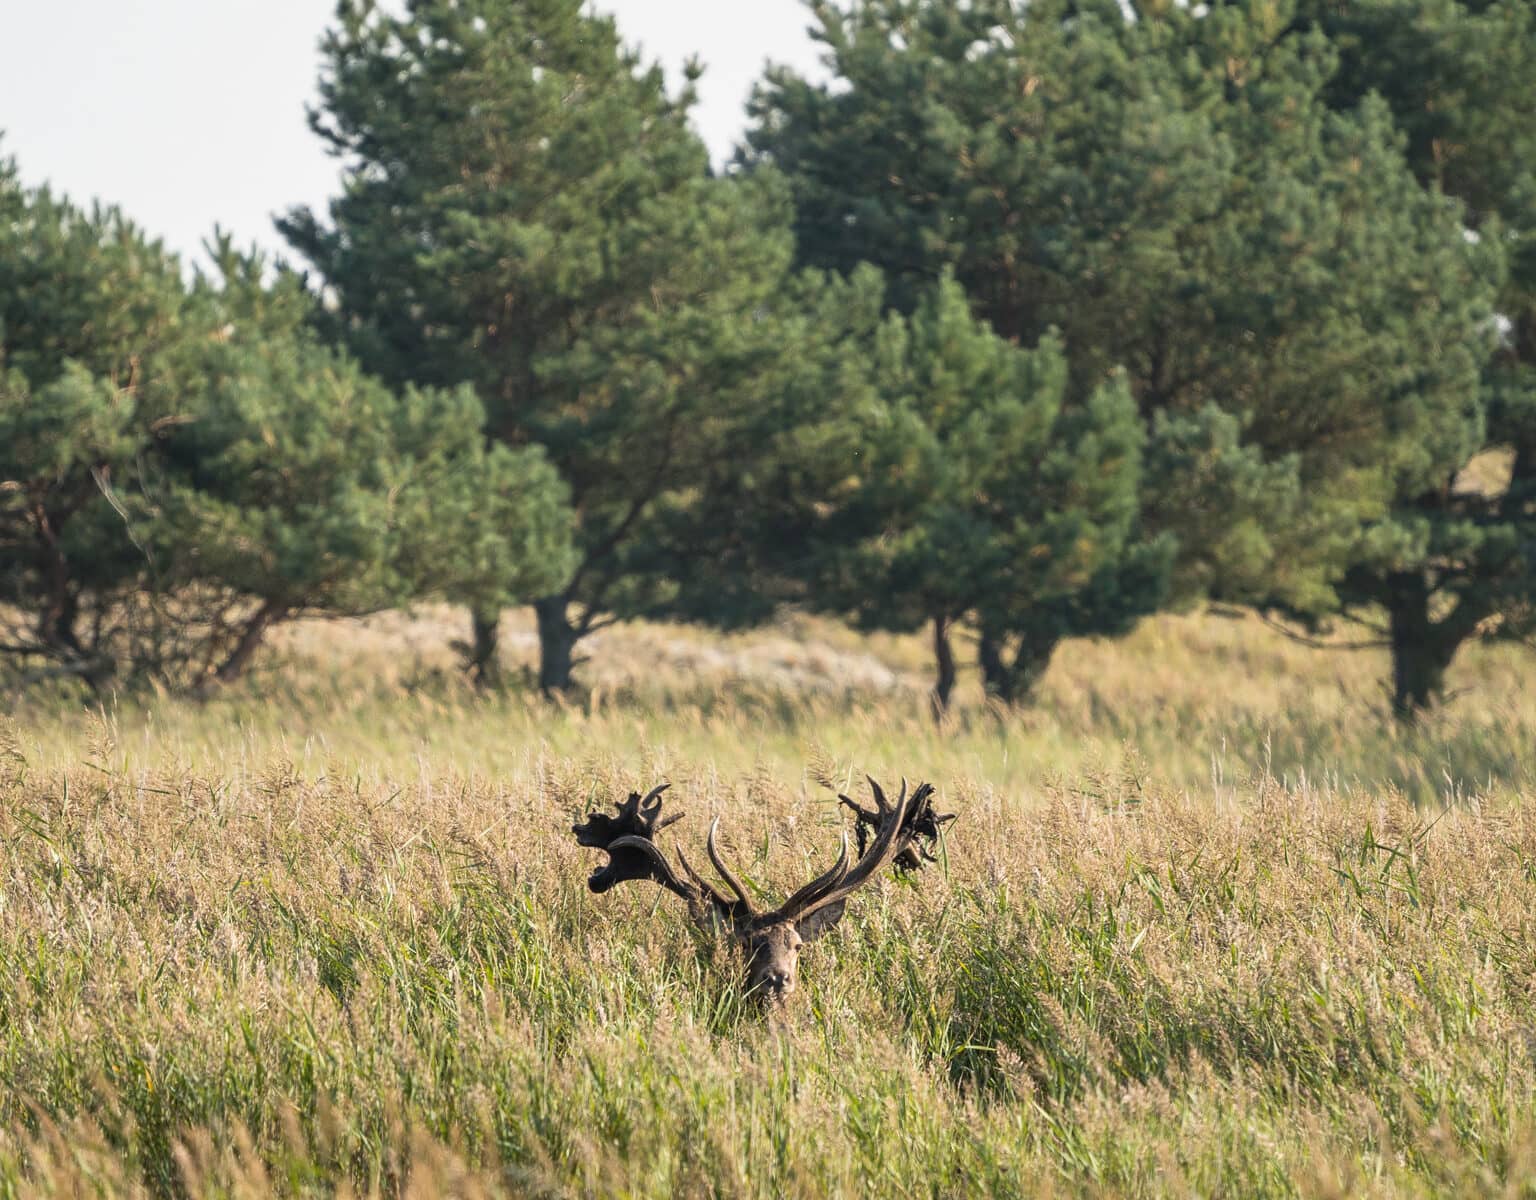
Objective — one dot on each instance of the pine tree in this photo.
(306, 487)
(183, 467)
(1300, 323)
(90, 311)
(983, 494)
(1457, 555)
(527, 211)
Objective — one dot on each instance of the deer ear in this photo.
(813, 926)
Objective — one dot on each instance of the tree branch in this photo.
(1317, 643)
(606, 546)
(80, 670)
(597, 625)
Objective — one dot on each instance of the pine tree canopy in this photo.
(1031, 319)
(1301, 321)
(527, 211)
(183, 466)
(1456, 557)
(984, 492)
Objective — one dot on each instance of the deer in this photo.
(899, 834)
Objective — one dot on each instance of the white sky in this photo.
(189, 112)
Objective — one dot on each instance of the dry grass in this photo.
(1206, 925)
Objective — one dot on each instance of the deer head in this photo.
(770, 940)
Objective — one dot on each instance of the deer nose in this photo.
(776, 982)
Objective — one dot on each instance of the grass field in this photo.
(1207, 924)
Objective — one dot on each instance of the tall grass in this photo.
(1207, 925)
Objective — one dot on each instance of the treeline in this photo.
(1034, 320)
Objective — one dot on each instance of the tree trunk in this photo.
(61, 612)
(56, 628)
(58, 631)
(996, 678)
(557, 641)
(250, 641)
(1012, 682)
(944, 654)
(1421, 649)
(485, 650)
(1029, 667)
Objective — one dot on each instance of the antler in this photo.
(919, 830)
(840, 882)
(708, 898)
(770, 941)
(725, 872)
(630, 841)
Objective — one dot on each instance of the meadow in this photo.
(1209, 923)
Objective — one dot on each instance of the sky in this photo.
(187, 113)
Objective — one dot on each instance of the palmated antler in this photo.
(630, 840)
(920, 827)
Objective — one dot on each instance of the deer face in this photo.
(773, 957)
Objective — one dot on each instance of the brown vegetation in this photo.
(1209, 924)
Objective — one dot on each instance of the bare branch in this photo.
(1317, 643)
